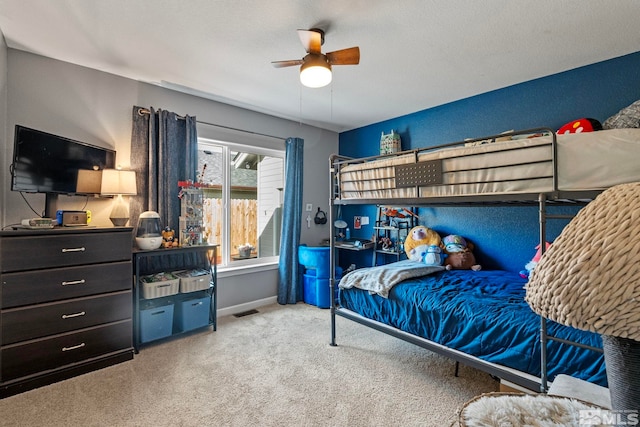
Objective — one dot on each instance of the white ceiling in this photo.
(415, 54)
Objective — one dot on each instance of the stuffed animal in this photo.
(528, 268)
(418, 241)
(459, 254)
(580, 126)
(433, 255)
(169, 239)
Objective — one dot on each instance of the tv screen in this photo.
(46, 163)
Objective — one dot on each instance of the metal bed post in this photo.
(332, 270)
(542, 213)
(542, 207)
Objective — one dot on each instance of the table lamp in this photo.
(116, 182)
(590, 279)
(89, 181)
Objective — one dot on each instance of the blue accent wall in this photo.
(504, 237)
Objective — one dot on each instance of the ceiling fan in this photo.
(315, 70)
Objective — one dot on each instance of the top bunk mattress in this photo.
(585, 162)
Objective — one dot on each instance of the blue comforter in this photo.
(482, 313)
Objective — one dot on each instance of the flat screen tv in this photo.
(50, 164)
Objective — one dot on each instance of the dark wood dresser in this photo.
(65, 304)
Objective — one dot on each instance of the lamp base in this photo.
(120, 212)
(622, 358)
(119, 222)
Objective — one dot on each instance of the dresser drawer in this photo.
(20, 253)
(33, 287)
(41, 320)
(63, 350)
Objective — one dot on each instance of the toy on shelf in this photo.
(386, 244)
(191, 213)
(169, 239)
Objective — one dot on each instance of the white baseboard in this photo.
(227, 311)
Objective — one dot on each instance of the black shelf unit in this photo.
(146, 262)
(395, 228)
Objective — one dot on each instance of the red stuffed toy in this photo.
(580, 126)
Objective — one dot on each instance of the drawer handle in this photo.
(75, 347)
(196, 303)
(70, 316)
(74, 282)
(81, 249)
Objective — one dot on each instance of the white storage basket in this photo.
(193, 280)
(159, 285)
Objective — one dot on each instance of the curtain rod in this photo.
(142, 111)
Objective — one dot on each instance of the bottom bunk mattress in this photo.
(481, 313)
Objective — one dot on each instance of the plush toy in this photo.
(459, 254)
(433, 255)
(580, 125)
(528, 268)
(418, 241)
(169, 239)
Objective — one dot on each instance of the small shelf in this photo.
(165, 315)
(392, 227)
(351, 244)
(382, 251)
(387, 227)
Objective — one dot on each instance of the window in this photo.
(242, 200)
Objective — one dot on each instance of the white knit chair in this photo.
(590, 279)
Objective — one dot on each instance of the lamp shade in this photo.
(315, 72)
(116, 181)
(89, 181)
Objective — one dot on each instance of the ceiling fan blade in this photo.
(311, 39)
(289, 63)
(350, 56)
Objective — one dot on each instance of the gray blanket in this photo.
(379, 280)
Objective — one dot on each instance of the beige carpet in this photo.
(274, 368)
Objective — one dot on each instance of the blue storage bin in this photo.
(156, 323)
(316, 258)
(192, 314)
(312, 272)
(316, 291)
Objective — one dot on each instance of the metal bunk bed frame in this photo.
(556, 197)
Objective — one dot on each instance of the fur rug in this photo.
(516, 410)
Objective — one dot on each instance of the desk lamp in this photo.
(590, 279)
(116, 182)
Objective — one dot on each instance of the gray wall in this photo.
(95, 107)
(4, 160)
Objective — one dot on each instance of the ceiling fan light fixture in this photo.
(315, 72)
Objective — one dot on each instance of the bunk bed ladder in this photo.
(542, 213)
(544, 336)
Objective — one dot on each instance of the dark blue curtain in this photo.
(164, 150)
(289, 279)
